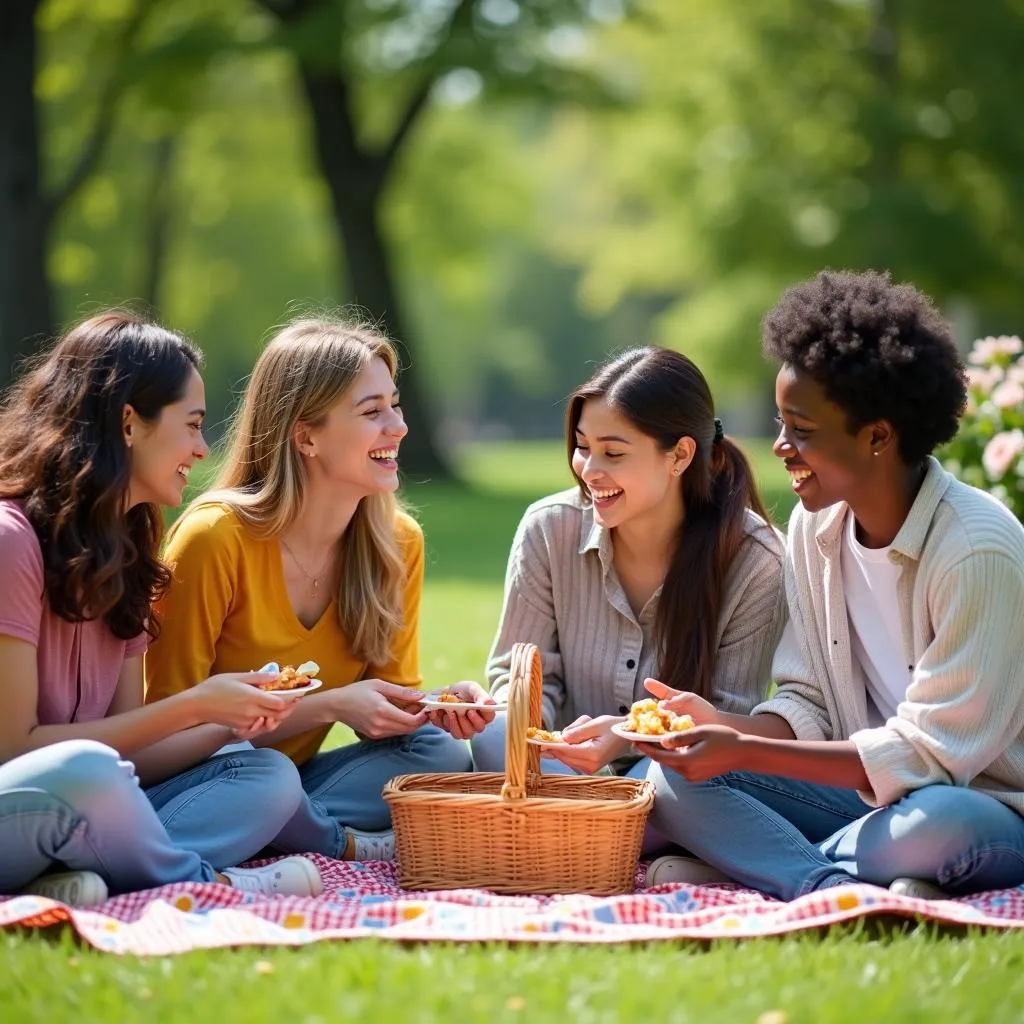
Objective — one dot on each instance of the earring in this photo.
(876, 453)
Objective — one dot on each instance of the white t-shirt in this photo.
(869, 585)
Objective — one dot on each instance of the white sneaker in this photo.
(917, 889)
(664, 870)
(372, 845)
(293, 876)
(72, 888)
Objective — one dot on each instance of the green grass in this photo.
(845, 977)
(849, 975)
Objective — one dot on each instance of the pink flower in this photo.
(1001, 452)
(993, 350)
(1008, 395)
(983, 380)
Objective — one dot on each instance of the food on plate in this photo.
(447, 697)
(290, 678)
(646, 719)
(543, 735)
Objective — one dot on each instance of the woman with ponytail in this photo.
(661, 562)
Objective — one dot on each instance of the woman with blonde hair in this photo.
(301, 552)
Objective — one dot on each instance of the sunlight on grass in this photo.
(843, 977)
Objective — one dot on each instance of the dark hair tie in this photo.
(719, 430)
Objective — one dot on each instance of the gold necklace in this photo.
(302, 568)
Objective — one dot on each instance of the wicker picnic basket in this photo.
(521, 831)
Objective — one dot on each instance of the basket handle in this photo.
(524, 709)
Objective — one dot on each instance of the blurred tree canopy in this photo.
(514, 188)
(771, 138)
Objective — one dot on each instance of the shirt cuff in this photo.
(883, 755)
(804, 722)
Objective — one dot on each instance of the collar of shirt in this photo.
(594, 537)
(909, 541)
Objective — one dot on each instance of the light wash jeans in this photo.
(343, 787)
(78, 805)
(786, 838)
(489, 756)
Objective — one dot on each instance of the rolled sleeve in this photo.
(799, 698)
(528, 616)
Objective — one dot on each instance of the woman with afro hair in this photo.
(892, 751)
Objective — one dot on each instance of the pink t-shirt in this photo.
(66, 652)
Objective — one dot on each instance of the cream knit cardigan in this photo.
(961, 595)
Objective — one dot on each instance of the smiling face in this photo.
(164, 450)
(626, 473)
(355, 445)
(826, 463)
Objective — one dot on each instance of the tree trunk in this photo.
(26, 316)
(356, 181)
(159, 205)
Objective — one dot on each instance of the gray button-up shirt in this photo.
(562, 593)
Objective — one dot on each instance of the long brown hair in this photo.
(299, 376)
(665, 396)
(63, 455)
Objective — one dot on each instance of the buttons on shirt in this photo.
(623, 709)
(630, 663)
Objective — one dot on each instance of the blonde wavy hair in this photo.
(299, 376)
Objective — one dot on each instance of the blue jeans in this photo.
(786, 838)
(343, 787)
(489, 756)
(77, 804)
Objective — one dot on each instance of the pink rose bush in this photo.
(988, 452)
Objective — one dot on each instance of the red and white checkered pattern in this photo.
(365, 899)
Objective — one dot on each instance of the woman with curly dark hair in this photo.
(893, 749)
(93, 440)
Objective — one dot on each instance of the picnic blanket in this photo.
(364, 899)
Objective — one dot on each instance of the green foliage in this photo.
(774, 137)
(577, 181)
(988, 451)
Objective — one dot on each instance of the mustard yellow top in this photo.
(228, 611)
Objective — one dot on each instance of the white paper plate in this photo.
(546, 743)
(641, 737)
(313, 684)
(447, 705)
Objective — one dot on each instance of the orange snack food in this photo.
(291, 678)
(533, 733)
(647, 719)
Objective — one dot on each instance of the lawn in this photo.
(849, 975)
